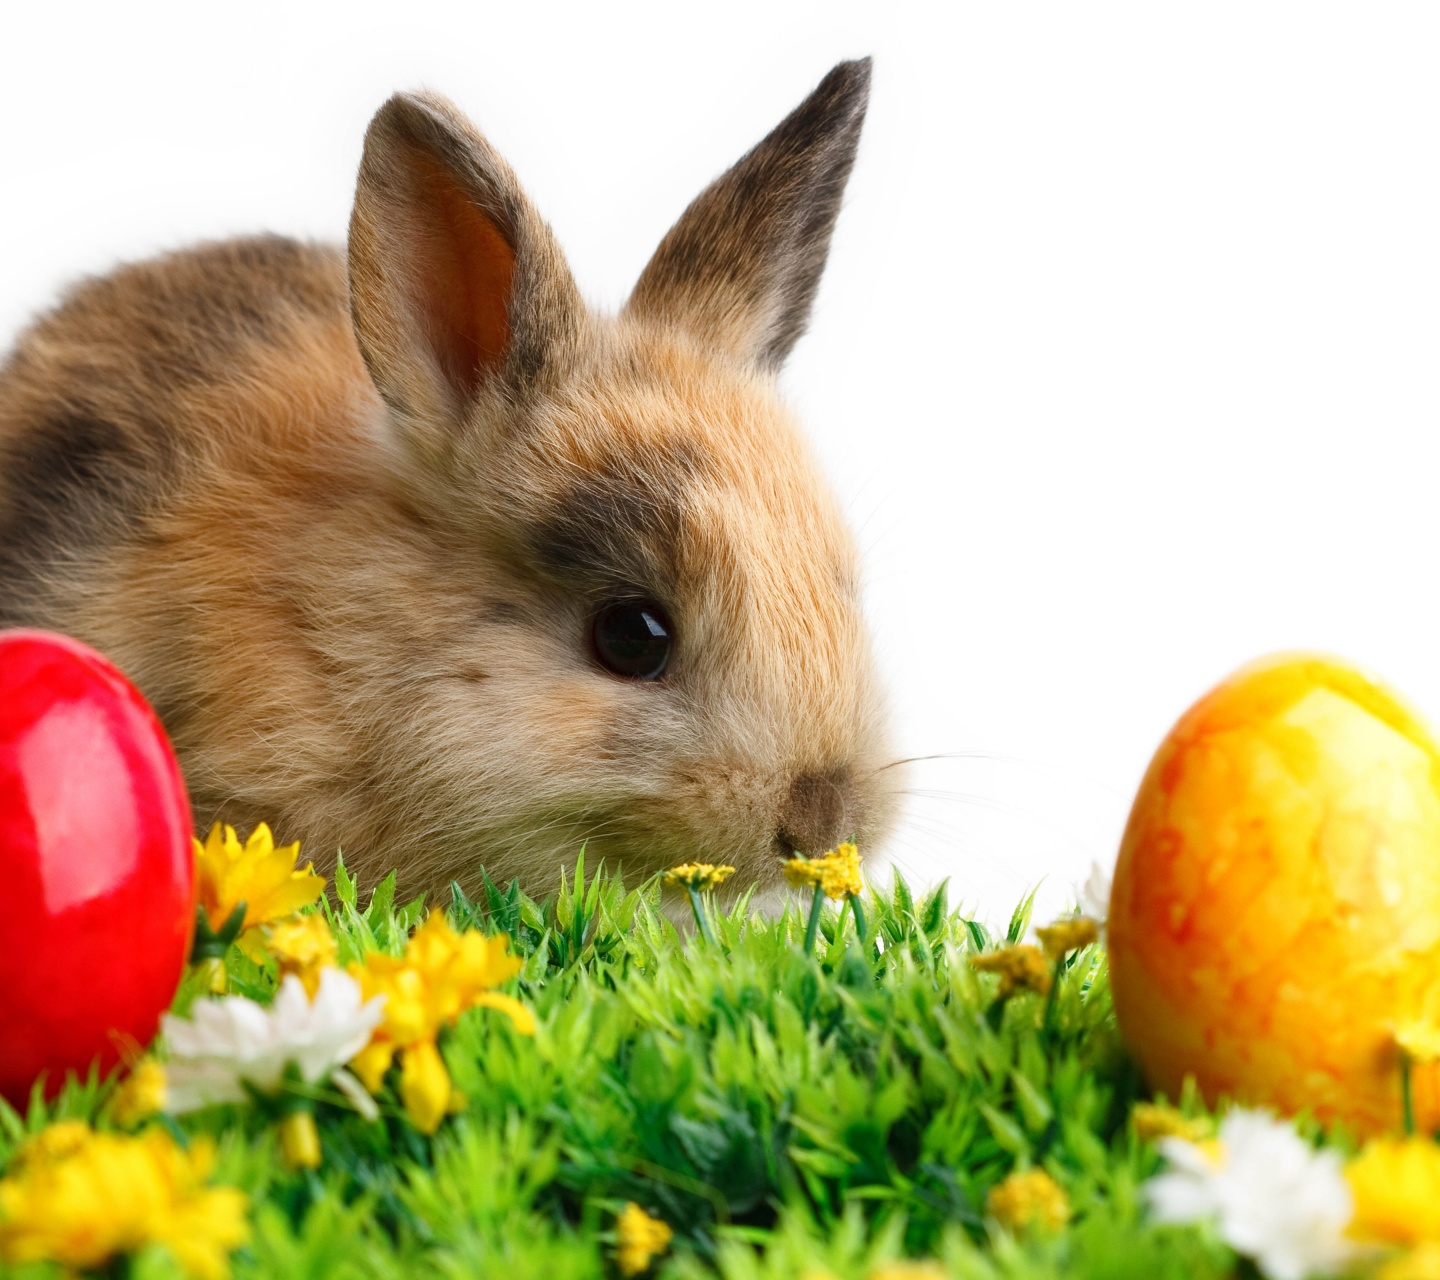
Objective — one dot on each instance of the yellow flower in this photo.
(87, 1197)
(52, 1143)
(1419, 1264)
(841, 875)
(1153, 1122)
(1028, 1198)
(142, 1094)
(258, 874)
(639, 1238)
(800, 873)
(441, 974)
(1420, 1040)
(303, 946)
(1021, 968)
(1064, 936)
(837, 874)
(1396, 1186)
(698, 875)
(300, 1141)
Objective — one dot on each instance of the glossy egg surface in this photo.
(97, 893)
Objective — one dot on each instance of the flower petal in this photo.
(355, 1093)
(372, 1062)
(424, 1085)
(520, 1015)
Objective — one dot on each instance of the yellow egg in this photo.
(1275, 915)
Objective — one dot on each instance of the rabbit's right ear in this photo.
(741, 267)
(454, 279)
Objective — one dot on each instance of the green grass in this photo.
(789, 1115)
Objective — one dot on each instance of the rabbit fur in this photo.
(346, 516)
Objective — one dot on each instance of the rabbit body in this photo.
(348, 518)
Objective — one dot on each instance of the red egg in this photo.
(97, 877)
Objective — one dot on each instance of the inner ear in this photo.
(455, 282)
(462, 275)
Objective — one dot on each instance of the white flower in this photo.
(1094, 894)
(1272, 1196)
(224, 1042)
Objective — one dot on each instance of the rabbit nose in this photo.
(818, 812)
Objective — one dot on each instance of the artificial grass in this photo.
(789, 1115)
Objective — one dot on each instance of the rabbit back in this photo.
(112, 401)
(166, 434)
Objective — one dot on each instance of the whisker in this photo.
(1072, 776)
(942, 755)
(952, 842)
(1064, 834)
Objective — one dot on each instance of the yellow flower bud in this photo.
(639, 1239)
(1028, 1198)
(1153, 1122)
(1064, 936)
(300, 1141)
(303, 946)
(142, 1094)
(698, 875)
(801, 873)
(1021, 968)
(836, 874)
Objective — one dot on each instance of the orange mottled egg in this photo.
(1275, 914)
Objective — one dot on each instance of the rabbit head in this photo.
(639, 600)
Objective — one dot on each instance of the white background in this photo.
(1125, 363)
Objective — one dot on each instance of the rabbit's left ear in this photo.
(741, 267)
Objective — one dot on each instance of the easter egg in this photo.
(97, 894)
(1275, 913)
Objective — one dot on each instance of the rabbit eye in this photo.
(633, 638)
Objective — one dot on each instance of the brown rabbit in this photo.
(416, 555)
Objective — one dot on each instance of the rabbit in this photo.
(418, 557)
